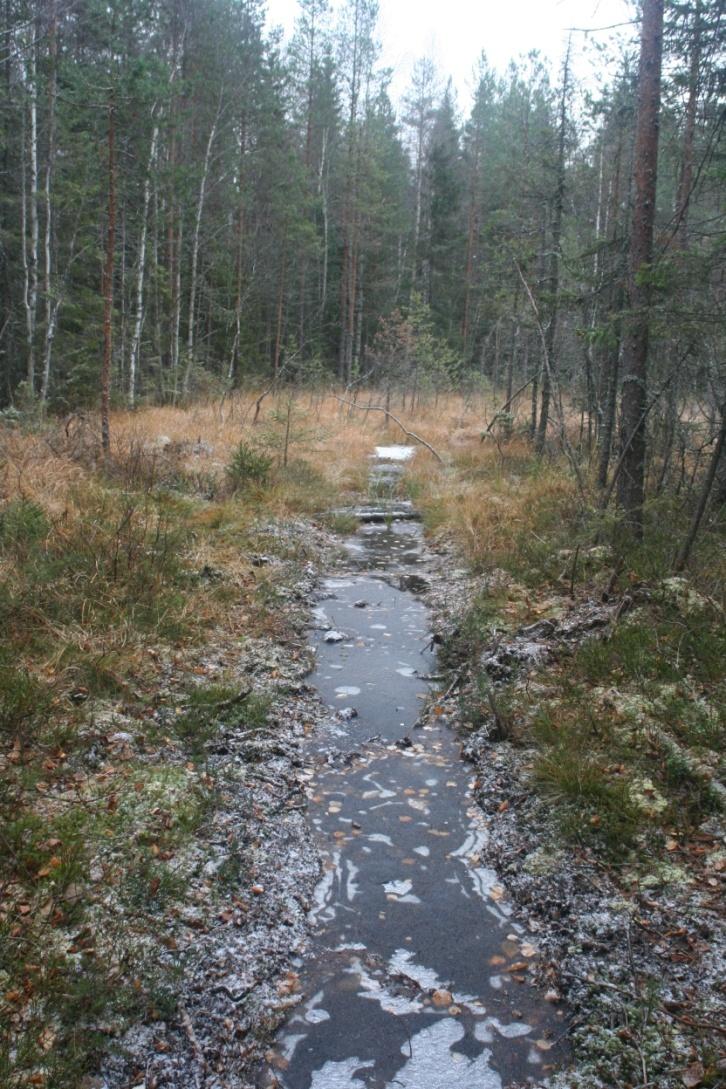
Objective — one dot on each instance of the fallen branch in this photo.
(455, 683)
(684, 551)
(380, 408)
(240, 697)
(258, 403)
(605, 500)
(505, 407)
(195, 1045)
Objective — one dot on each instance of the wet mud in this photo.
(418, 972)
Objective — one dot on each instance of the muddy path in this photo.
(417, 974)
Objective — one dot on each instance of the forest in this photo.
(283, 353)
(190, 205)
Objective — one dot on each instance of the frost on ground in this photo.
(636, 948)
(230, 934)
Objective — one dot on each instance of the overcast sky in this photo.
(454, 32)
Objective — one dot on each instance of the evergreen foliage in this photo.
(208, 206)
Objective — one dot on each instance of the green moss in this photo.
(211, 707)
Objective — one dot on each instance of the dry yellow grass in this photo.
(94, 510)
(484, 492)
(337, 439)
(44, 465)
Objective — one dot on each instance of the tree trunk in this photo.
(51, 305)
(108, 284)
(687, 546)
(535, 398)
(191, 327)
(323, 191)
(30, 210)
(631, 484)
(471, 234)
(685, 183)
(176, 299)
(610, 409)
(359, 310)
(554, 272)
(233, 368)
(279, 319)
(140, 272)
(608, 394)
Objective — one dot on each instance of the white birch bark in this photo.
(195, 253)
(29, 212)
(51, 305)
(141, 272)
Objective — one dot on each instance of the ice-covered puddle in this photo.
(394, 453)
(418, 972)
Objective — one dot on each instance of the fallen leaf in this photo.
(693, 1076)
(46, 1039)
(278, 1061)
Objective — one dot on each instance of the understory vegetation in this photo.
(231, 263)
(118, 572)
(629, 725)
(115, 576)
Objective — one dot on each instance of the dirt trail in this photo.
(417, 974)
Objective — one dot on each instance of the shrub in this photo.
(23, 700)
(248, 467)
(109, 570)
(23, 526)
(213, 706)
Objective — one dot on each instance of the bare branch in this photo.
(380, 408)
(555, 386)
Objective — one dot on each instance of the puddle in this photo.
(418, 972)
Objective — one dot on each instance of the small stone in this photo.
(333, 637)
(442, 999)
(122, 737)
